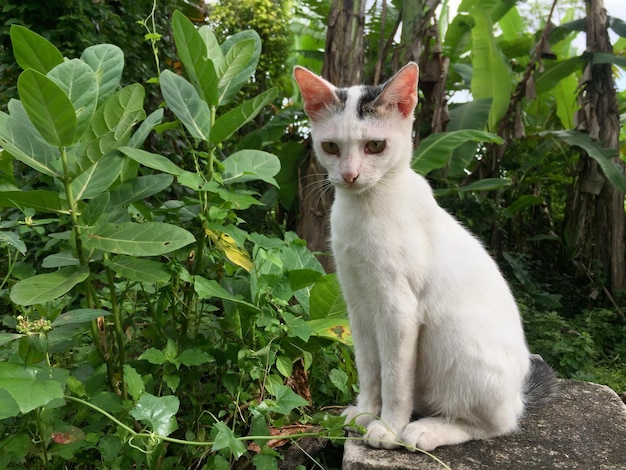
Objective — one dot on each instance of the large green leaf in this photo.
(486, 184)
(78, 82)
(153, 160)
(435, 150)
(138, 269)
(139, 137)
(491, 77)
(48, 107)
(107, 62)
(603, 155)
(234, 119)
(241, 55)
(472, 115)
(32, 51)
(185, 102)
(97, 178)
(139, 188)
(158, 412)
(21, 139)
(78, 316)
(213, 48)
(553, 73)
(209, 289)
(134, 239)
(113, 123)
(38, 199)
(192, 51)
(250, 165)
(326, 298)
(26, 388)
(43, 288)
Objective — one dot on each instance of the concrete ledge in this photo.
(584, 428)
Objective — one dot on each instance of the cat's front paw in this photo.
(357, 417)
(381, 436)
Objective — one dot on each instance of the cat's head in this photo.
(362, 133)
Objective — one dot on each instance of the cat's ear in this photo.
(317, 93)
(401, 90)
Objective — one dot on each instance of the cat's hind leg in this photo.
(435, 431)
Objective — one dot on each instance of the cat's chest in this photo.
(365, 236)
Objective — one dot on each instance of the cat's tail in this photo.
(541, 384)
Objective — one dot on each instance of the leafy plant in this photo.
(159, 314)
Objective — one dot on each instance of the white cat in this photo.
(436, 330)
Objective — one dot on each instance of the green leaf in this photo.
(241, 56)
(603, 155)
(113, 123)
(39, 200)
(48, 107)
(32, 51)
(13, 239)
(153, 356)
(554, 72)
(19, 137)
(46, 287)
(435, 150)
(250, 165)
(492, 75)
(78, 82)
(134, 382)
(138, 269)
(192, 51)
(153, 160)
(107, 62)
(26, 388)
(284, 365)
(78, 316)
(192, 357)
(135, 239)
(326, 298)
(97, 178)
(234, 119)
(286, 399)
(301, 278)
(183, 99)
(139, 137)
(139, 188)
(472, 115)
(225, 439)
(210, 289)
(158, 412)
(59, 260)
(6, 338)
(486, 184)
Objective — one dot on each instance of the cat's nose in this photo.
(349, 177)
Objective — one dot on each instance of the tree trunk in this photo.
(595, 209)
(343, 64)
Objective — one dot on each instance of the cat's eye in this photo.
(330, 147)
(375, 146)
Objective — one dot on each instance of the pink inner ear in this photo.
(317, 93)
(401, 91)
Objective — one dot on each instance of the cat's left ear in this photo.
(401, 90)
(317, 93)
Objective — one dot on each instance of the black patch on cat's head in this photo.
(365, 107)
(342, 98)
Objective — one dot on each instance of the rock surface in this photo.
(584, 428)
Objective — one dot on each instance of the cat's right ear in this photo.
(318, 94)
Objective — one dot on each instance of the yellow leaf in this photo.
(227, 244)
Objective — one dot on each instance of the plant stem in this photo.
(42, 437)
(119, 332)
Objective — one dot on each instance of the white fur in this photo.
(435, 327)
